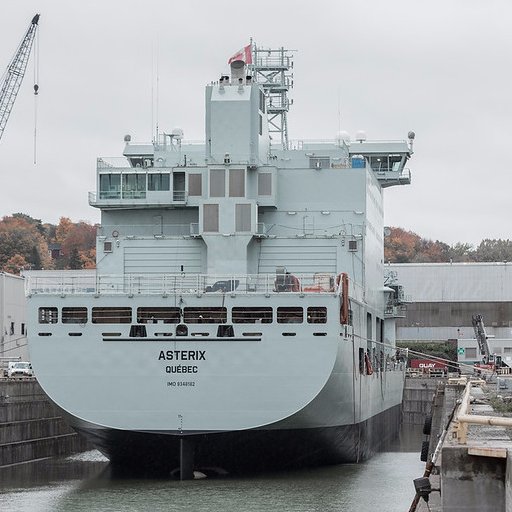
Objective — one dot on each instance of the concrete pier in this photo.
(31, 427)
(473, 471)
(417, 400)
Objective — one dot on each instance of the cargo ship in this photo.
(238, 317)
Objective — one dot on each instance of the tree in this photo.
(494, 250)
(75, 262)
(15, 264)
(19, 236)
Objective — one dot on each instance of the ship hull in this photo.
(242, 452)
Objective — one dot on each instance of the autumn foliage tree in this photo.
(24, 243)
(20, 236)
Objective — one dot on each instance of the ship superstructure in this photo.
(238, 317)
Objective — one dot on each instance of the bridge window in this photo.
(158, 315)
(261, 315)
(111, 315)
(290, 315)
(74, 315)
(134, 186)
(158, 182)
(48, 315)
(110, 186)
(205, 315)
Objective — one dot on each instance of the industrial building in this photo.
(443, 297)
(13, 332)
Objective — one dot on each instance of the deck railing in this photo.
(178, 284)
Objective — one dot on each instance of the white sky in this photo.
(441, 68)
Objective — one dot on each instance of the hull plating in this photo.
(247, 451)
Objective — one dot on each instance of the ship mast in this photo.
(271, 68)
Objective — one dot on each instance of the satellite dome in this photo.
(177, 133)
(127, 138)
(360, 135)
(343, 136)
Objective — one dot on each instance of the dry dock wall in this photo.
(417, 399)
(31, 428)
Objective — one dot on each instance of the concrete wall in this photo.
(417, 402)
(30, 426)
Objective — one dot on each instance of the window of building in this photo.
(243, 217)
(154, 315)
(107, 246)
(261, 124)
(211, 218)
(264, 184)
(74, 315)
(111, 315)
(217, 183)
(12, 329)
(290, 315)
(23, 329)
(236, 183)
(48, 315)
(256, 315)
(317, 315)
(110, 186)
(134, 186)
(195, 185)
(507, 350)
(208, 315)
(158, 182)
(470, 353)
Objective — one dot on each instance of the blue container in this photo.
(358, 162)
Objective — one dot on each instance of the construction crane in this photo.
(11, 80)
(489, 359)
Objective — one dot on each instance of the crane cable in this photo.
(36, 91)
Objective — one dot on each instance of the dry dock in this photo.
(471, 469)
(31, 428)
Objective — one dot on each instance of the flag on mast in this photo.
(244, 54)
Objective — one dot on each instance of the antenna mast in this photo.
(272, 70)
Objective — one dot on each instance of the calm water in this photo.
(83, 483)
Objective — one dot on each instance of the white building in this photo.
(13, 332)
(443, 298)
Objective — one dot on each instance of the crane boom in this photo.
(13, 77)
(481, 337)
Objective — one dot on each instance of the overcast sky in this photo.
(441, 68)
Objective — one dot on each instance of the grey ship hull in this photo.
(245, 451)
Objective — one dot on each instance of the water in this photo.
(83, 483)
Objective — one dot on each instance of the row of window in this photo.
(135, 184)
(188, 315)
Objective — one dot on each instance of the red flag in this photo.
(244, 54)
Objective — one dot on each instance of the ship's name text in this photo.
(181, 369)
(182, 355)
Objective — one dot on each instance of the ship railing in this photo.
(180, 284)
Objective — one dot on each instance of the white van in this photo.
(20, 369)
